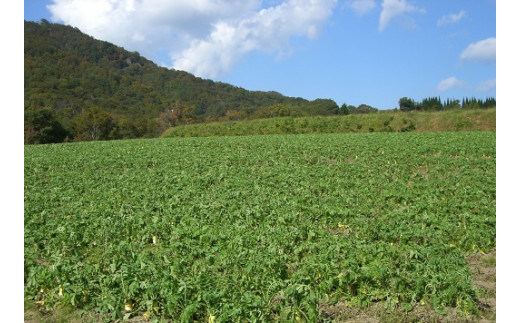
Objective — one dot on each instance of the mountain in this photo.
(96, 90)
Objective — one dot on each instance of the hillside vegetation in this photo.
(394, 121)
(96, 90)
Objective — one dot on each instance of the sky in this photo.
(352, 51)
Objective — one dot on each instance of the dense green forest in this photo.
(86, 89)
(78, 88)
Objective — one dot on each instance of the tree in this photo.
(431, 104)
(407, 104)
(234, 115)
(490, 103)
(179, 114)
(471, 104)
(347, 109)
(94, 124)
(452, 104)
(42, 127)
(322, 107)
(365, 108)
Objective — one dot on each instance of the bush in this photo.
(410, 127)
(42, 127)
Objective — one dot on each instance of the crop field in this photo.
(259, 228)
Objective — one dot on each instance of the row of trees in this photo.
(44, 125)
(435, 104)
(41, 126)
(48, 125)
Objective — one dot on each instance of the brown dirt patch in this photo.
(350, 161)
(423, 170)
(484, 271)
(341, 312)
(376, 313)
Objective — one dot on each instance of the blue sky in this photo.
(352, 51)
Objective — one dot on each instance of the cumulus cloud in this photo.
(396, 9)
(361, 7)
(449, 83)
(451, 18)
(205, 37)
(487, 85)
(268, 30)
(148, 25)
(484, 50)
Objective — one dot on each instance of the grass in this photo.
(452, 120)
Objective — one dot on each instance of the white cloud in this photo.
(451, 18)
(484, 50)
(268, 30)
(361, 7)
(449, 83)
(148, 25)
(205, 37)
(396, 8)
(487, 85)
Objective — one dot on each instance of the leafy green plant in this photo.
(260, 227)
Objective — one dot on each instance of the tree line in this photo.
(435, 104)
(46, 125)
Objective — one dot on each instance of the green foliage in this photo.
(322, 107)
(42, 127)
(278, 110)
(318, 107)
(69, 71)
(365, 108)
(431, 104)
(473, 120)
(346, 109)
(410, 127)
(361, 109)
(407, 104)
(258, 228)
(435, 104)
(93, 124)
(474, 103)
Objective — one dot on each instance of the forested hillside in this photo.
(80, 88)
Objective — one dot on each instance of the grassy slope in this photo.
(465, 120)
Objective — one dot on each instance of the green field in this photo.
(266, 228)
